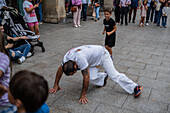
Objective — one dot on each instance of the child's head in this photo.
(28, 90)
(107, 12)
(166, 4)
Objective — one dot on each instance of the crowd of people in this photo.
(27, 91)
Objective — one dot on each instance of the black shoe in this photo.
(133, 22)
(84, 19)
(126, 24)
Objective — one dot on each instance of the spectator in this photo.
(19, 53)
(148, 12)
(85, 3)
(96, 5)
(124, 10)
(117, 11)
(134, 6)
(5, 71)
(30, 16)
(156, 11)
(2, 5)
(160, 11)
(20, 7)
(39, 10)
(152, 9)
(77, 15)
(144, 8)
(28, 91)
(165, 12)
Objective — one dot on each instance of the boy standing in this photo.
(110, 28)
(165, 15)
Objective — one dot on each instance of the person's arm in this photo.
(17, 38)
(3, 89)
(29, 10)
(8, 46)
(86, 77)
(115, 28)
(57, 79)
(104, 30)
(40, 1)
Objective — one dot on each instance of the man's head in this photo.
(70, 67)
(28, 90)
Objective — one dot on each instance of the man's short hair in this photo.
(108, 9)
(30, 88)
(68, 67)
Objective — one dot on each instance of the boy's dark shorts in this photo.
(110, 41)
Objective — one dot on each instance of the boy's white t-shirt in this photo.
(29, 17)
(85, 56)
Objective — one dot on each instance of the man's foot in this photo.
(84, 19)
(76, 26)
(133, 22)
(40, 23)
(165, 26)
(137, 91)
(147, 24)
(79, 25)
(105, 80)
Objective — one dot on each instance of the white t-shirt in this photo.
(85, 56)
(31, 16)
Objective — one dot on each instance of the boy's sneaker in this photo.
(21, 60)
(29, 54)
(137, 91)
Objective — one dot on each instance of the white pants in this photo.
(77, 16)
(97, 78)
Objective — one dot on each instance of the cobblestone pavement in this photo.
(142, 53)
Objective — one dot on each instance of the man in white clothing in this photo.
(87, 58)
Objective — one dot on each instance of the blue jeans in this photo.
(164, 20)
(40, 12)
(97, 11)
(159, 17)
(156, 16)
(148, 14)
(84, 10)
(24, 49)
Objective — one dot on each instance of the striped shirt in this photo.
(5, 78)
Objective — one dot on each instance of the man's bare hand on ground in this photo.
(83, 99)
(55, 89)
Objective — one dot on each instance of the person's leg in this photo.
(15, 54)
(85, 12)
(140, 22)
(159, 17)
(156, 16)
(122, 15)
(134, 15)
(36, 28)
(96, 78)
(120, 78)
(75, 17)
(143, 22)
(148, 14)
(162, 24)
(166, 21)
(109, 49)
(24, 49)
(130, 14)
(126, 14)
(31, 26)
(152, 13)
(40, 12)
(78, 17)
(83, 8)
(119, 13)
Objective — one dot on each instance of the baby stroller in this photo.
(15, 26)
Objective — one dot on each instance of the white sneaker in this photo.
(79, 25)
(29, 54)
(21, 60)
(76, 26)
(147, 24)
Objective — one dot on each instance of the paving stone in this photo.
(163, 77)
(70, 103)
(156, 84)
(149, 61)
(159, 95)
(157, 68)
(106, 108)
(140, 55)
(132, 64)
(120, 68)
(143, 73)
(145, 106)
(160, 57)
(165, 63)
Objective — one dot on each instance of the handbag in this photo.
(73, 9)
(158, 6)
(97, 5)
